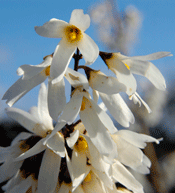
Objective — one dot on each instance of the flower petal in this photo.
(76, 79)
(49, 170)
(149, 70)
(26, 120)
(104, 117)
(23, 186)
(43, 107)
(8, 169)
(51, 29)
(118, 109)
(56, 144)
(37, 148)
(61, 59)
(105, 84)
(79, 167)
(79, 19)
(58, 127)
(124, 76)
(123, 176)
(138, 140)
(96, 130)
(154, 56)
(72, 139)
(95, 96)
(89, 49)
(128, 154)
(21, 87)
(71, 109)
(29, 71)
(56, 98)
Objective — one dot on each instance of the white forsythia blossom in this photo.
(33, 75)
(124, 67)
(89, 155)
(39, 122)
(108, 89)
(73, 36)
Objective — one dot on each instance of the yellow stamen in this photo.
(85, 104)
(24, 147)
(72, 34)
(88, 178)
(127, 66)
(47, 71)
(81, 144)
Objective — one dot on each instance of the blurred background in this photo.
(130, 27)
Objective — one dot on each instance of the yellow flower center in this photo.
(47, 71)
(88, 178)
(127, 66)
(72, 34)
(85, 104)
(81, 144)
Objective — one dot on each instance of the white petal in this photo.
(26, 120)
(148, 70)
(95, 157)
(138, 140)
(123, 74)
(56, 98)
(23, 186)
(105, 84)
(21, 87)
(12, 182)
(97, 131)
(95, 95)
(72, 139)
(71, 109)
(76, 79)
(79, 167)
(21, 136)
(118, 109)
(58, 127)
(37, 148)
(128, 154)
(29, 71)
(153, 56)
(61, 59)
(56, 144)
(89, 49)
(123, 176)
(43, 107)
(104, 117)
(51, 29)
(49, 170)
(8, 169)
(79, 19)
(155, 76)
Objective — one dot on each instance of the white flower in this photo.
(39, 122)
(124, 66)
(33, 75)
(128, 145)
(8, 154)
(86, 157)
(108, 89)
(73, 36)
(97, 123)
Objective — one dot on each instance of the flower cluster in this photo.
(83, 152)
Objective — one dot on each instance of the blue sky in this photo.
(19, 44)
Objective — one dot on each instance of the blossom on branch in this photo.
(72, 36)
